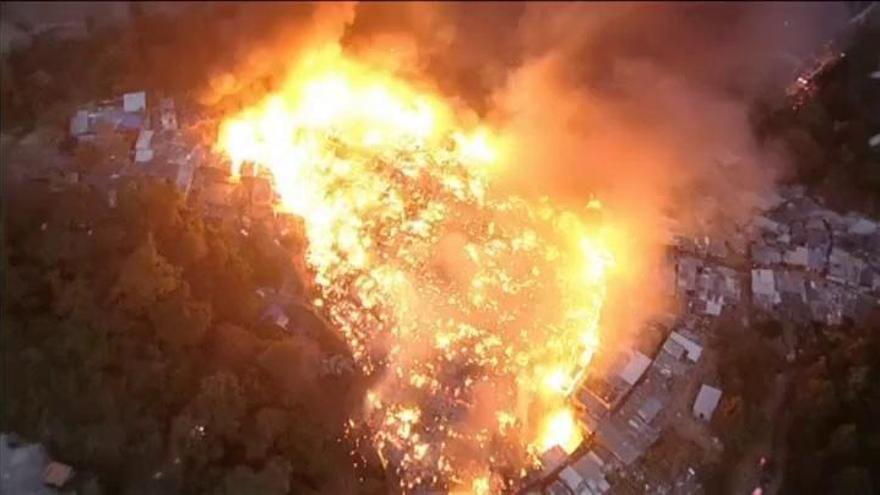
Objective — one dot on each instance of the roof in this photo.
(553, 458)
(714, 305)
(131, 121)
(763, 254)
(650, 409)
(674, 349)
(799, 256)
(706, 402)
(635, 368)
(21, 468)
(144, 139)
(763, 282)
(557, 488)
(79, 123)
(693, 350)
(862, 226)
(617, 442)
(134, 102)
(143, 156)
(585, 473)
(765, 223)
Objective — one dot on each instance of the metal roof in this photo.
(706, 402)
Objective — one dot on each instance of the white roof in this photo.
(79, 123)
(863, 226)
(799, 256)
(763, 282)
(134, 102)
(145, 138)
(714, 305)
(143, 156)
(694, 350)
(707, 401)
(585, 475)
(571, 478)
(635, 368)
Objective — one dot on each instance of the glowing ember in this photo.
(479, 309)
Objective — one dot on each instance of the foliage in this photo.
(133, 335)
(833, 444)
(827, 139)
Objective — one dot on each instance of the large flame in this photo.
(480, 310)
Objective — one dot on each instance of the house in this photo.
(620, 440)
(134, 102)
(143, 151)
(649, 410)
(552, 459)
(79, 123)
(764, 287)
(706, 402)
(585, 476)
(798, 256)
(557, 487)
(635, 368)
(690, 349)
(601, 393)
(764, 255)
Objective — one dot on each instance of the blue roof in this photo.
(131, 120)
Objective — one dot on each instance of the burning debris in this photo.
(479, 310)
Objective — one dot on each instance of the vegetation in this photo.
(827, 139)
(133, 346)
(833, 445)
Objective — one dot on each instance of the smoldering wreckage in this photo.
(377, 186)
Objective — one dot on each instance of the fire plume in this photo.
(479, 309)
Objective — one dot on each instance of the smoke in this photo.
(644, 105)
(264, 40)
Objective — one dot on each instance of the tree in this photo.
(273, 479)
(214, 415)
(179, 320)
(143, 279)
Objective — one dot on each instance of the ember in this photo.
(479, 309)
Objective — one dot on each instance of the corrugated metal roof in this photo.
(706, 402)
(635, 368)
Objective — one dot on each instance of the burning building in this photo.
(478, 310)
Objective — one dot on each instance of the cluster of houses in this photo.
(810, 264)
(158, 146)
(625, 408)
(796, 262)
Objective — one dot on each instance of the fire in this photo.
(560, 429)
(462, 297)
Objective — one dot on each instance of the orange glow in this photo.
(384, 176)
(560, 429)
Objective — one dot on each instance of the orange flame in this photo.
(381, 173)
